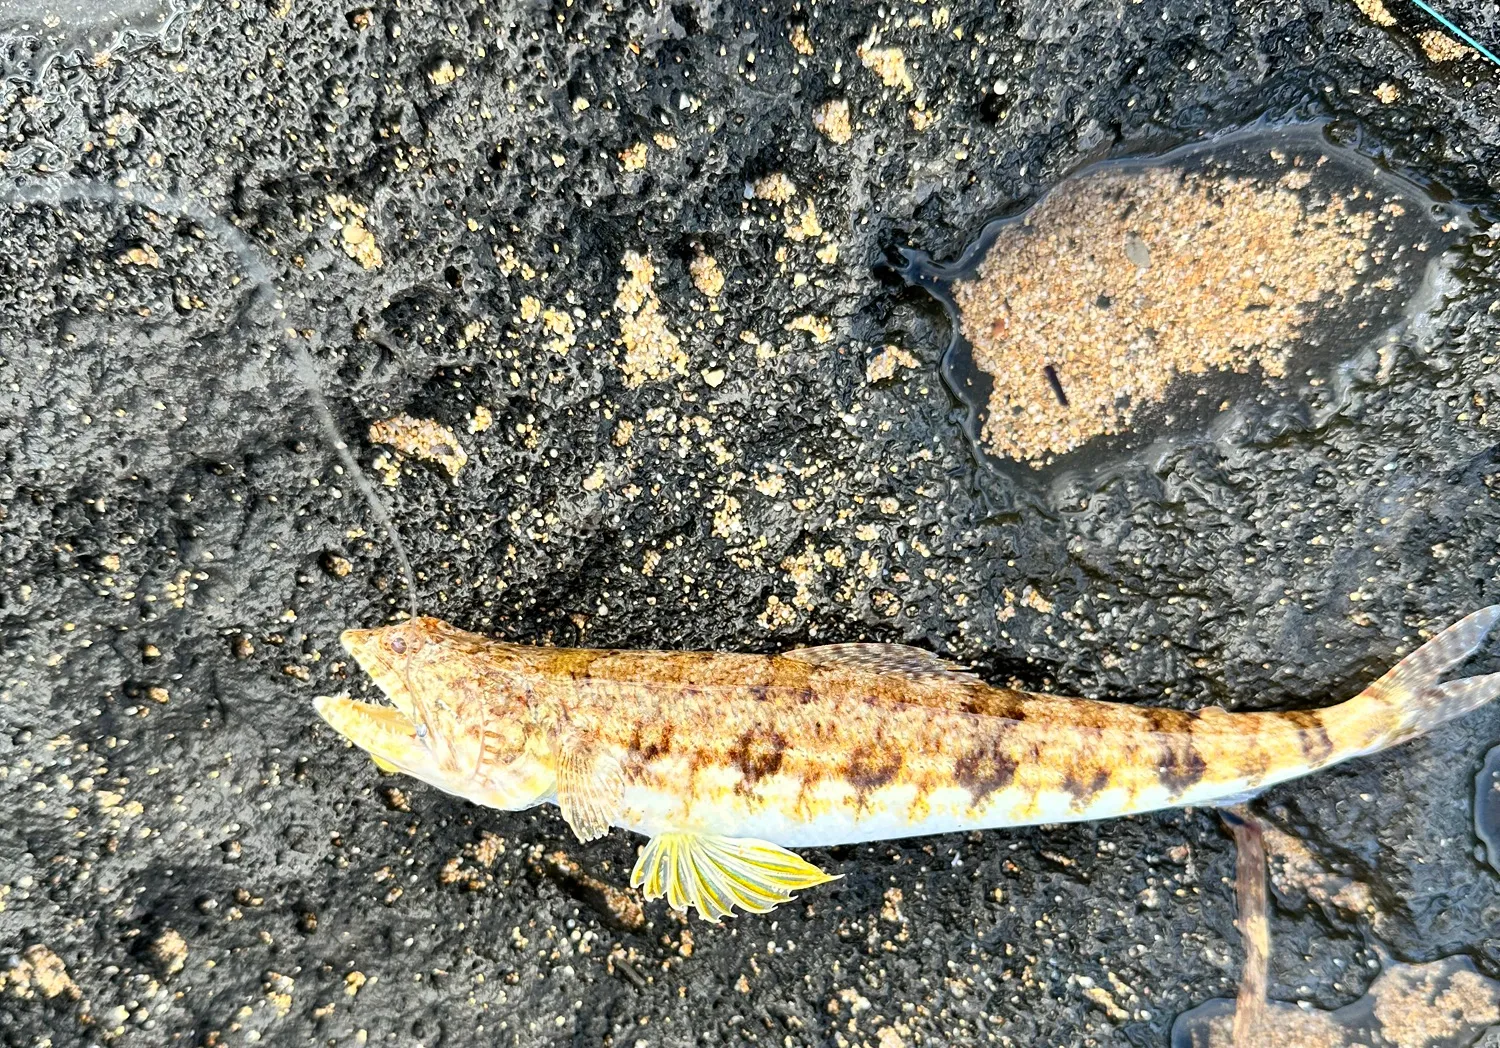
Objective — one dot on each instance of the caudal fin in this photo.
(1413, 698)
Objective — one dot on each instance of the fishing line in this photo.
(1465, 37)
(261, 285)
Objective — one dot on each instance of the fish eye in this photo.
(398, 645)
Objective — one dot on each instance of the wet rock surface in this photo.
(442, 212)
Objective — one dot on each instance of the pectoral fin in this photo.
(715, 874)
(590, 787)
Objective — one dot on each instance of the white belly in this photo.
(835, 814)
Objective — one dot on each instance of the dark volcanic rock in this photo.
(432, 206)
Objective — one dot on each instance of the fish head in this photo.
(460, 717)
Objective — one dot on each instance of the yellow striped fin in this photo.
(715, 874)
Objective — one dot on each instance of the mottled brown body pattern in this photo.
(732, 738)
(683, 722)
(725, 761)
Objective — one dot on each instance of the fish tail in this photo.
(1412, 699)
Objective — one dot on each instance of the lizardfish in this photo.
(726, 761)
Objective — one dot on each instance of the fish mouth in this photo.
(387, 735)
(371, 650)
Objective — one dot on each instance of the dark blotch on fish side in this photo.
(1085, 790)
(758, 754)
(1182, 766)
(1316, 745)
(871, 767)
(983, 771)
(656, 744)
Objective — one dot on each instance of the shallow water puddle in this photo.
(1445, 1003)
(1487, 807)
(1264, 252)
(119, 284)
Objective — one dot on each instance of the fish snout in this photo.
(352, 639)
(325, 704)
(365, 647)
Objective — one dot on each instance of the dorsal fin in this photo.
(900, 660)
